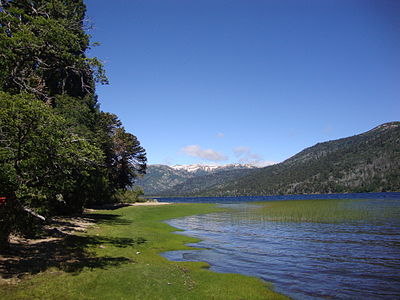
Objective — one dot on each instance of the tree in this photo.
(43, 49)
(129, 158)
(41, 162)
(125, 158)
(58, 151)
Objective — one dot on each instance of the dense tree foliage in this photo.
(58, 151)
(43, 49)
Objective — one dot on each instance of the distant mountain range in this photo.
(368, 162)
(165, 180)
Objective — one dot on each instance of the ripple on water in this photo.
(353, 260)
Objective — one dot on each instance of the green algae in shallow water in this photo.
(324, 211)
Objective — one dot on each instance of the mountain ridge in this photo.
(162, 178)
(210, 168)
(366, 162)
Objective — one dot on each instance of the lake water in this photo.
(342, 249)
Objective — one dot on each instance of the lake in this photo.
(338, 248)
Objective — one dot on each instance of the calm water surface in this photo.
(305, 260)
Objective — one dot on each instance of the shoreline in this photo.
(120, 257)
(150, 203)
(113, 206)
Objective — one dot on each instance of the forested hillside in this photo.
(197, 185)
(162, 179)
(58, 151)
(368, 162)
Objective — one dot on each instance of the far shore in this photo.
(148, 203)
(113, 206)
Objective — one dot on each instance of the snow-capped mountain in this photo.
(210, 168)
(160, 178)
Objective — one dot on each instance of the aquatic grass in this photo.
(323, 211)
(127, 242)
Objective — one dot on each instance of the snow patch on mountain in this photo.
(211, 168)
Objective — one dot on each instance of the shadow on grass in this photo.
(109, 206)
(71, 253)
(109, 219)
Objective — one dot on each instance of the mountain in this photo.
(161, 179)
(368, 162)
(200, 169)
(198, 185)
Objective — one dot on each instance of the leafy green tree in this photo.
(125, 157)
(41, 160)
(129, 158)
(130, 195)
(58, 151)
(43, 49)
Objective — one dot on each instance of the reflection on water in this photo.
(353, 259)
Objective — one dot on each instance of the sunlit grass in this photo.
(134, 237)
(324, 211)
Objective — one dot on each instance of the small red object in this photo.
(2, 200)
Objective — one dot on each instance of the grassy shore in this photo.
(324, 211)
(119, 259)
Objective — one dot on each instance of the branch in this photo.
(31, 212)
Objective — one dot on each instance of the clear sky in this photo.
(218, 81)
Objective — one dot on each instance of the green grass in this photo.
(323, 211)
(116, 270)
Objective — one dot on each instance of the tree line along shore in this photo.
(59, 151)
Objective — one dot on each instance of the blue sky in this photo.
(217, 81)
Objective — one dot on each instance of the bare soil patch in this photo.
(61, 246)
